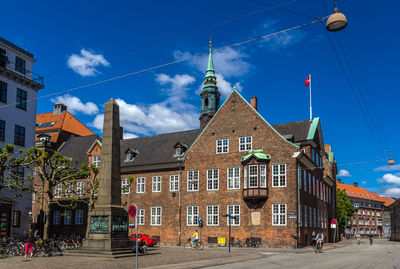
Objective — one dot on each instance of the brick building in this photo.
(394, 209)
(279, 181)
(370, 211)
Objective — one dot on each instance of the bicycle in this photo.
(318, 247)
(196, 245)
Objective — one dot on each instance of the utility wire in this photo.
(160, 41)
(169, 63)
(284, 9)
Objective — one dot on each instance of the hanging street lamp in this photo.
(337, 21)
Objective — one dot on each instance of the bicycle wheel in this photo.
(198, 245)
(188, 244)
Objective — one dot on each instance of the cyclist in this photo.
(319, 239)
(196, 238)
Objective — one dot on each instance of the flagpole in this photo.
(310, 100)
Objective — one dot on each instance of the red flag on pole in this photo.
(307, 82)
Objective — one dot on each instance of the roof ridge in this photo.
(143, 137)
(290, 122)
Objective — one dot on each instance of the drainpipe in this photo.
(298, 203)
(180, 161)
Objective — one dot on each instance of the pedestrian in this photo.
(29, 240)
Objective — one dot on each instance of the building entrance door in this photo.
(5, 220)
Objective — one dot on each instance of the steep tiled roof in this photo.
(156, 149)
(64, 121)
(76, 147)
(359, 192)
(299, 129)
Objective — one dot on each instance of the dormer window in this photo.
(179, 149)
(44, 137)
(130, 155)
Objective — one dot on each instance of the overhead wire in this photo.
(160, 41)
(166, 64)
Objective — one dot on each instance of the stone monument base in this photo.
(107, 234)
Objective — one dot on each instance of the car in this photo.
(150, 241)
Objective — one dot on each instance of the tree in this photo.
(344, 209)
(51, 169)
(10, 178)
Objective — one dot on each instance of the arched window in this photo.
(206, 102)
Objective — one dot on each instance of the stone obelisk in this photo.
(108, 221)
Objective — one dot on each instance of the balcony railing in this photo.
(255, 193)
(23, 72)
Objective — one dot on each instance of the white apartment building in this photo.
(18, 91)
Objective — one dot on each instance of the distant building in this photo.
(57, 126)
(18, 91)
(371, 217)
(394, 210)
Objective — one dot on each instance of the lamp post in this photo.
(229, 218)
(337, 21)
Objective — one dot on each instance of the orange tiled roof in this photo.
(359, 192)
(64, 121)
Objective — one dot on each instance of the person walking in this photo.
(29, 240)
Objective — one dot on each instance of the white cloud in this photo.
(343, 173)
(388, 168)
(129, 135)
(390, 178)
(228, 62)
(364, 182)
(85, 64)
(171, 115)
(392, 192)
(279, 41)
(75, 105)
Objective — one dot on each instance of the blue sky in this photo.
(81, 42)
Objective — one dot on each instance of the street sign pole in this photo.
(137, 247)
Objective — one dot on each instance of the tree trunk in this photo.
(47, 221)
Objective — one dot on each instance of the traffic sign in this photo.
(132, 211)
(333, 221)
(333, 226)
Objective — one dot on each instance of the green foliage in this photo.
(344, 209)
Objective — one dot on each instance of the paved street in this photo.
(382, 254)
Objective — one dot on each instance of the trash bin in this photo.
(221, 241)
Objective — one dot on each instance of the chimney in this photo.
(253, 102)
(355, 184)
(339, 181)
(59, 108)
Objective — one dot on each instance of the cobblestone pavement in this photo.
(162, 257)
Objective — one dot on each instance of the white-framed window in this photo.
(317, 185)
(192, 215)
(68, 189)
(79, 217)
(212, 215)
(233, 178)
(304, 176)
(245, 177)
(140, 216)
(96, 159)
(309, 183)
(279, 175)
(305, 216)
(156, 183)
(222, 146)
(245, 143)
(33, 198)
(278, 214)
(67, 217)
(212, 179)
(263, 176)
(234, 210)
(299, 175)
(58, 191)
(156, 216)
(253, 176)
(318, 219)
(311, 222)
(140, 184)
(125, 186)
(80, 188)
(314, 187)
(56, 217)
(193, 180)
(174, 182)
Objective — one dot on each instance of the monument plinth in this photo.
(107, 233)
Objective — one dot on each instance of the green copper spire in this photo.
(210, 94)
